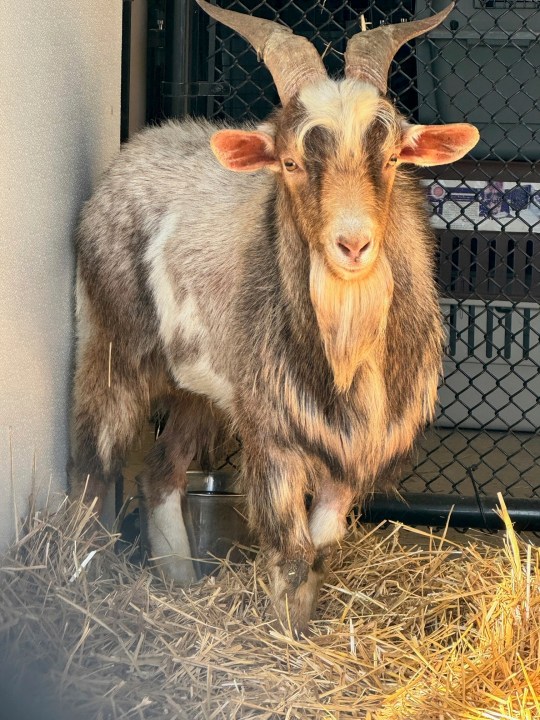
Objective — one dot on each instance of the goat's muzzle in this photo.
(352, 254)
(353, 248)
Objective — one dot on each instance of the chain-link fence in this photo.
(482, 66)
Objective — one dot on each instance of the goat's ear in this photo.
(244, 151)
(437, 144)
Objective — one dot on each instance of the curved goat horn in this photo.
(292, 60)
(369, 54)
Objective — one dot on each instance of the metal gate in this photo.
(482, 66)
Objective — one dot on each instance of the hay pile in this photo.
(411, 626)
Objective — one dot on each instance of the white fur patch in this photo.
(345, 107)
(189, 319)
(169, 541)
(326, 525)
(105, 443)
(162, 289)
(411, 134)
(200, 377)
(182, 319)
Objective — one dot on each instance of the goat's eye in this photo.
(290, 165)
(393, 160)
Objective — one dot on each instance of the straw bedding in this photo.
(411, 626)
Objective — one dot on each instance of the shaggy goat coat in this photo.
(223, 297)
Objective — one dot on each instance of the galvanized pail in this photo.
(215, 519)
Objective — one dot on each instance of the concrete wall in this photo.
(59, 128)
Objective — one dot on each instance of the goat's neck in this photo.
(347, 318)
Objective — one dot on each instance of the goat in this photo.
(276, 281)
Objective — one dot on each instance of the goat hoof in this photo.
(295, 573)
(295, 589)
(180, 570)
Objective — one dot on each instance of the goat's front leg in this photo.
(331, 504)
(276, 484)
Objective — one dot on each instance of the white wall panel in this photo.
(59, 128)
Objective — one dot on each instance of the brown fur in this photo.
(227, 301)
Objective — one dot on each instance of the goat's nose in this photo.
(353, 247)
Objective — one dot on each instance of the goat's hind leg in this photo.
(191, 425)
(109, 404)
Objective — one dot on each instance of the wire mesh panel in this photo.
(482, 66)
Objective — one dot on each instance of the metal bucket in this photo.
(215, 519)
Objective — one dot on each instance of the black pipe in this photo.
(179, 29)
(456, 510)
(126, 68)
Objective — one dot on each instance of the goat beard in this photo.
(351, 315)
